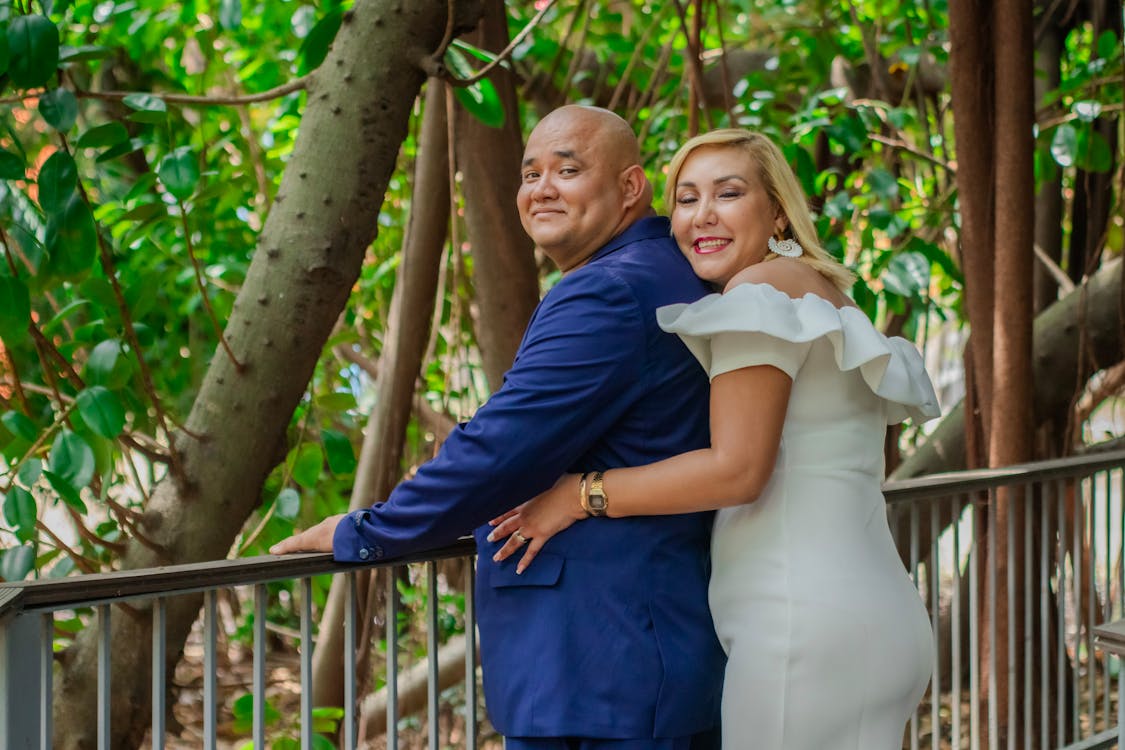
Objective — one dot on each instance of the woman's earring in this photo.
(790, 248)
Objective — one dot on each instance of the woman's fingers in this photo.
(510, 547)
(533, 547)
(504, 516)
(505, 527)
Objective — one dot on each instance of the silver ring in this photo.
(520, 537)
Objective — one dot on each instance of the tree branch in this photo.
(297, 84)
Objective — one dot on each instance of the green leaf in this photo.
(320, 742)
(148, 108)
(883, 183)
(5, 53)
(19, 512)
(243, 709)
(179, 171)
(907, 274)
(71, 459)
(83, 53)
(59, 108)
(72, 239)
(288, 504)
(102, 411)
(338, 448)
(230, 14)
(17, 563)
(33, 42)
(315, 47)
(120, 149)
(109, 134)
(20, 426)
(1064, 145)
(11, 166)
(107, 365)
(308, 464)
(1108, 47)
(69, 494)
(30, 471)
(480, 99)
(339, 401)
(1094, 154)
(57, 179)
(15, 309)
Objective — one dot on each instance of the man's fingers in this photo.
(288, 545)
(533, 548)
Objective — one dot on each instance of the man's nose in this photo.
(544, 188)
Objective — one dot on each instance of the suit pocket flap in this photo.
(544, 570)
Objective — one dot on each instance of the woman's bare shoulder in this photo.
(792, 277)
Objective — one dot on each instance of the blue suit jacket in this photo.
(608, 633)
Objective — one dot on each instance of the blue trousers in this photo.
(702, 741)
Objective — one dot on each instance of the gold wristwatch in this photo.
(594, 501)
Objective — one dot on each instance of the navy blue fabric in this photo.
(608, 633)
(707, 741)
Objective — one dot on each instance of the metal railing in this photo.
(27, 631)
(1027, 578)
(1060, 575)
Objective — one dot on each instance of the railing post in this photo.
(20, 655)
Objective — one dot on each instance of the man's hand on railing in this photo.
(315, 539)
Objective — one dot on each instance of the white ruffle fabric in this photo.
(755, 324)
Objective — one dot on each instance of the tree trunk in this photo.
(504, 272)
(971, 67)
(309, 254)
(408, 330)
(1049, 202)
(1012, 388)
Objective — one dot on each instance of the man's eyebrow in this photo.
(562, 154)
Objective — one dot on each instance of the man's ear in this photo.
(635, 186)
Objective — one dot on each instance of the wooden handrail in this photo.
(170, 580)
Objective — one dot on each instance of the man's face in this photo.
(571, 197)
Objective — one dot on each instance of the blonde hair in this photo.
(781, 186)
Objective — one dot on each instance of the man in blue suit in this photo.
(606, 642)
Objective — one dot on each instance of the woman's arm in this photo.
(747, 413)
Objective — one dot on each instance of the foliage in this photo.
(128, 220)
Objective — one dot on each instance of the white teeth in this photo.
(711, 243)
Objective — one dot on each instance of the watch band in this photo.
(582, 493)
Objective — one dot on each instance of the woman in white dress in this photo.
(828, 643)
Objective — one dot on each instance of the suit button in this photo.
(364, 553)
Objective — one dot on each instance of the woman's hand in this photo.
(537, 520)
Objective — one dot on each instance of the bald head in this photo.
(581, 183)
(613, 135)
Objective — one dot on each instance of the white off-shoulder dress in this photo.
(828, 642)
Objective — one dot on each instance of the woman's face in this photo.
(722, 217)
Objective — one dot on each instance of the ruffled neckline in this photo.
(890, 366)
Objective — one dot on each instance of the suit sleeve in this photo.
(581, 364)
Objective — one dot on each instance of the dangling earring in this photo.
(790, 248)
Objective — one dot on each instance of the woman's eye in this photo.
(527, 176)
(730, 194)
(685, 200)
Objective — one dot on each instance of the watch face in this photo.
(597, 501)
